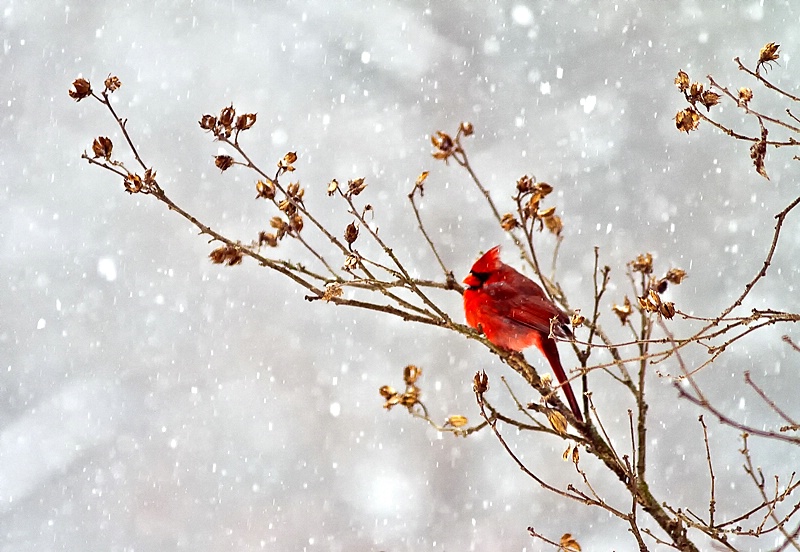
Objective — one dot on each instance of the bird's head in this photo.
(483, 268)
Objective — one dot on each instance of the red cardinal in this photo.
(514, 313)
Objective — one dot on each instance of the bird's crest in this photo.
(489, 262)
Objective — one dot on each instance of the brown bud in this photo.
(290, 158)
(411, 374)
(466, 128)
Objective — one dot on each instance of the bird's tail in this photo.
(551, 352)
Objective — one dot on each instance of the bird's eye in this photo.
(482, 276)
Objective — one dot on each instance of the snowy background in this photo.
(153, 401)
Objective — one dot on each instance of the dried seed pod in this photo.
(223, 162)
(411, 374)
(112, 83)
(456, 420)
(351, 233)
(102, 147)
(480, 383)
(82, 89)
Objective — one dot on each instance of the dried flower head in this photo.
(352, 262)
(443, 144)
(246, 121)
(768, 55)
(682, 81)
(102, 147)
(227, 254)
(267, 239)
(623, 311)
(480, 383)
(332, 291)
(577, 319)
(525, 184)
(758, 153)
(509, 222)
(355, 187)
(687, 120)
(709, 98)
(333, 185)
(351, 233)
(675, 275)
(133, 184)
(695, 92)
(265, 189)
(296, 223)
(82, 89)
(466, 128)
(208, 122)
(745, 95)
(411, 374)
(667, 310)
(643, 264)
(569, 544)
(553, 222)
(112, 83)
(223, 162)
(226, 116)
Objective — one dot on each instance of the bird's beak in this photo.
(472, 281)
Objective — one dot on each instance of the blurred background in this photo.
(153, 401)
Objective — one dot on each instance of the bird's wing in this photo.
(525, 304)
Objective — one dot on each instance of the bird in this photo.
(514, 313)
